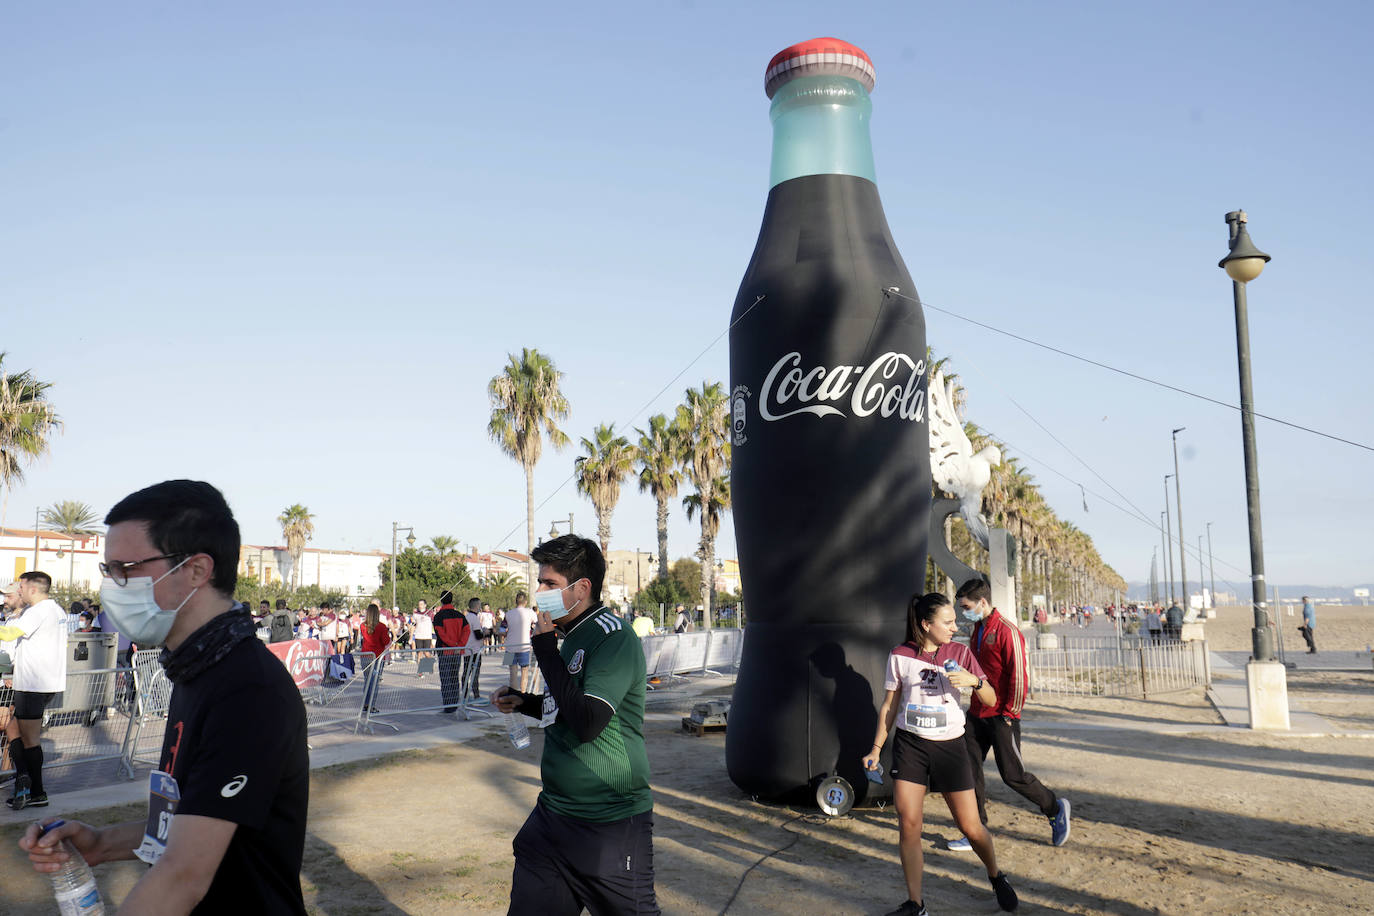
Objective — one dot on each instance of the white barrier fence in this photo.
(670, 656)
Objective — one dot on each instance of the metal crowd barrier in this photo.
(423, 680)
(670, 656)
(1128, 668)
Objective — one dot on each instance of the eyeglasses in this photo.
(118, 571)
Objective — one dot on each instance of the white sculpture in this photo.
(953, 465)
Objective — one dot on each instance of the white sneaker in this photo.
(960, 845)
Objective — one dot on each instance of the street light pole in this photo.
(410, 539)
(1168, 526)
(1211, 569)
(1178, 501)
(1164, 546)
(1243, 264)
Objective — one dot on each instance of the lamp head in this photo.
(410, 539)
(1245, 261)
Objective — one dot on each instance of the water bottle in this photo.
(830, 447)
(517, 731)
(951, 666)
(74, 886)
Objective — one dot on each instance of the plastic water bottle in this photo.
(518, 732)
(951, 666)
(74, 886)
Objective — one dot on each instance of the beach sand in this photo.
(1173, 814)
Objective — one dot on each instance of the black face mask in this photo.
(208, 645)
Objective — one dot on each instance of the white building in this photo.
(355, 572)
(74, 560)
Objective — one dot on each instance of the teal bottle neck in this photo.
(820, 127)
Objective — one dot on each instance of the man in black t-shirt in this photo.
(227, 809)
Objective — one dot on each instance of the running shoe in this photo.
(910, 908)
(1059, 824)
(21, 794)
(1006, 894)
(38, 801)
(960, 845)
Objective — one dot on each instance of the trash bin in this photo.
(88, 696)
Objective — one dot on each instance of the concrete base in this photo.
(1194, 630)
(1266, 689)
(1211, 613)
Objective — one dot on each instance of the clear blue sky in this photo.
(283, 248)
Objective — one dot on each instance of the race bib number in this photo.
(163, 796)
(924, 719)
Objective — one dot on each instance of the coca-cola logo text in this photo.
(304, 658)
(891, 385)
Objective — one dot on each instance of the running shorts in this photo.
(940, 766)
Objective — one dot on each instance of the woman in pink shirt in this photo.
(925, 675)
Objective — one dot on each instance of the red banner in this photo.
(304, 658)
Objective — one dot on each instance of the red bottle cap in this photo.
(818, 57)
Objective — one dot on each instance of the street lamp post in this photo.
(1178, 501)
(1199, 575)
(1164, 545)
(1266, 680)
(1168, 527)
(1242, 264)
(553, 528)
(1211, 569)
(396, 527)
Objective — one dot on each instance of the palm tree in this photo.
(27, 422)
(75, 520)
(705, 421)
(608, 460)
(72, 518)
(297, 528)
(659, 457)
(525, 404)
(502, 587)
(710, 524)
(443, 547)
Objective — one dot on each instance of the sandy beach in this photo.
(1174, 813)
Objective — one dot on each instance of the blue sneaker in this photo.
(960, 845)
(1059, 824)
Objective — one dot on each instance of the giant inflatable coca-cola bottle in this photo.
(830, 454)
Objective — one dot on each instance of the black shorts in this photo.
(940, 766)
(28, 705)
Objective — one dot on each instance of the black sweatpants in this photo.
(563, 865)
(1003, 735)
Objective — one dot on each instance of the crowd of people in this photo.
(229, 800)
(231, 791)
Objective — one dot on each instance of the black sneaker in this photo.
(910, 908)
(1006, 894)
(38, 801)
(21, 794)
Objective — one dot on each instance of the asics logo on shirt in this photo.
(234, 786)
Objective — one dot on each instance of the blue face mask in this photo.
(971, 614)
(550, 601)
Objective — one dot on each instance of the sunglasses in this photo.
(118, 571)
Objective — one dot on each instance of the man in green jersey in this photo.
(588, 843)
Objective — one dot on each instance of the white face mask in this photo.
(550, 601)
(135, 612)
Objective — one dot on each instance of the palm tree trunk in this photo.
(708, 549)
(532, 573)
(708, 577)
(662, 537)
(603, 531)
